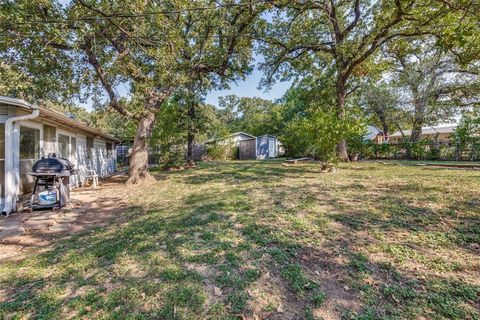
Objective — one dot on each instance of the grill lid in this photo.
(60, 166)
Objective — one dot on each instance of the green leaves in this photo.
(318, 133)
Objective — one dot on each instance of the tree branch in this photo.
(355, 19)
(92, 59)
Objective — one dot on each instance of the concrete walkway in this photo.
(23, 231)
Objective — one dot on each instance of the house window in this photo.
(49, 139)
(3, 111)
(29, 143)
(63, 146)
(89, 147)
(109, 149)
(73, 149)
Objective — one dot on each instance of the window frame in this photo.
(70, 156)
(89, 150)
(30, 125)
(58, 144)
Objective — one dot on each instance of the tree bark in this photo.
(341, 95)
(191, 131)
(383, 120)
(418, 120)
(139, 173)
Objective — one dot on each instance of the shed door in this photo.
(81, 151)
(262, 147)
(272, 150)
(247, 149)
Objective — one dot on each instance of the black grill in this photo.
(55, 166)
(52, 174)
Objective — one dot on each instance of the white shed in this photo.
(29, 132)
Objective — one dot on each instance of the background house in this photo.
(443, 134)
(374, 134)
(29, 132)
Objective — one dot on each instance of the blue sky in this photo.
(246, 88)
(249, 88)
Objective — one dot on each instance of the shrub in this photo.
(172, 156)
(319, 133)
(221, 151)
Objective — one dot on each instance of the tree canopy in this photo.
(151, 48)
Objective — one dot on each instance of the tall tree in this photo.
(381, 106)
(151, 48)
(339, 36)
(430, 85)
(252, 115)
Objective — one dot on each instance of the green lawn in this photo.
(260, 240)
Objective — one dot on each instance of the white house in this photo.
(29, 132)
(442, 133)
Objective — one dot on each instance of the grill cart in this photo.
(52, 183)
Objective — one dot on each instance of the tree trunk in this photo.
(386, 131)
(418, 120)
(383, 120)
(341, 95)
(139, 173)
(191, 131)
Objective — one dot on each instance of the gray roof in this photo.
(240, 133)
(57, 116)
(372, 132)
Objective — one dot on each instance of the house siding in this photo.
(102, 162)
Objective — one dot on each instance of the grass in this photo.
(257, 239)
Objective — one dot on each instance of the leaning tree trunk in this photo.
(341, 95)
(191, 131)
(139, 173)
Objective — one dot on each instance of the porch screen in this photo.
(29, 143)
(49, 139)
(89, 147)
(73, 149)
(63, 146)
(2, 160)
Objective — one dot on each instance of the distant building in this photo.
(251, 147)
(375, 135)
(442, 134)
(262, 147)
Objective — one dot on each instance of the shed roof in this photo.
(372, 132)
(240, 133)
(267, 135)
(58, 117)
